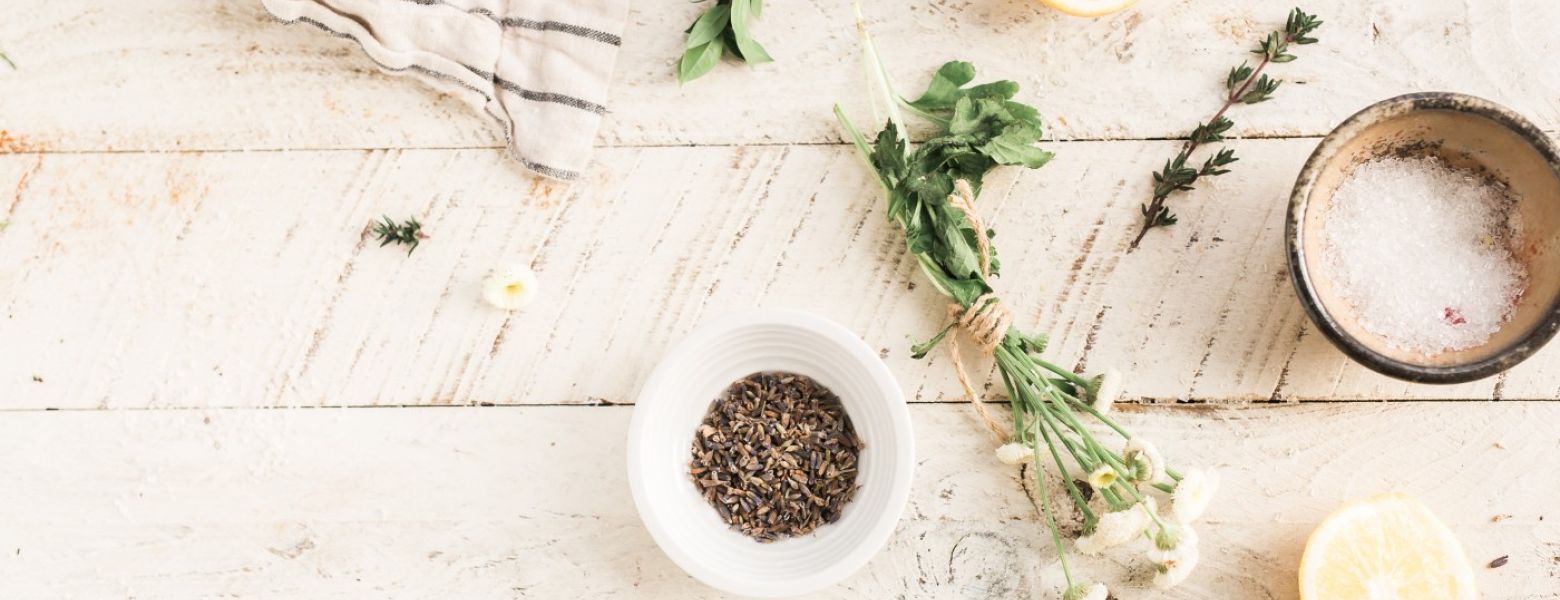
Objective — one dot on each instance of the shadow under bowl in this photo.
(1468, 133)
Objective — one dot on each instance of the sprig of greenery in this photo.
(1244, 84)
(724, 28)
(7, 59)
(408, 233)
(978, 128)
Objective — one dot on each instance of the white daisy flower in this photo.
(1172, 543)
(1107, 391)
(510, 288)
(1102, 477)
(1171, 567)
(1117, 528)
(1014, 453)
(1082, 591)
(1144, 461)
(1193, 494)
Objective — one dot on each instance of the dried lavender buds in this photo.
(776, 456)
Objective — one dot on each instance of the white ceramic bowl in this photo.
(674, 401)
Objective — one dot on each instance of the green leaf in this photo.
(943, 91)
(708, 26)
(1003, 90)
(755, 54)
(1237, 75)
(958, 255)
(698, 61)
(918, 351)
(1016, 147)
(888, 155)
(749, 50)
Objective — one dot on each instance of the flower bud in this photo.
(1014, 453)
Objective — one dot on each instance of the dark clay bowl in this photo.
(1467, 132)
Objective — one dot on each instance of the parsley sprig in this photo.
(724, 28)
(981, 127)
(1244, 84)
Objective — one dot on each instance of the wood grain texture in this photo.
(244, 279)
(532, 502)
(169, 74)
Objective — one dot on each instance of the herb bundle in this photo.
(408, 233)
(931, 189)
(721, 29)
(1243, 85)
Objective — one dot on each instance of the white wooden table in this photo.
(211, 385)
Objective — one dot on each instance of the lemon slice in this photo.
(1389, 547)
(1089, 8)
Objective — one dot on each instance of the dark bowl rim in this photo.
(1299, 275)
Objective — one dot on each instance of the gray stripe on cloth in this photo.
(547, 170)
(536, 96)
(558, 26)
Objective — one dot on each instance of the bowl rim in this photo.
(898, 491)
(1300, 275)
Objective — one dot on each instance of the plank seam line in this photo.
(270, 150)
(762, 144)
(1124, 406)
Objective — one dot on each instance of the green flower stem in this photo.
(1078, 456)
(1072, 488)
(1050, 521)
(1077, 379)
(1115, 501)
(1176, 475)
(1090, 443)
(1089, 408)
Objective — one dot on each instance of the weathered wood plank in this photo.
(532, 502)
(167, 74)
(183, 279)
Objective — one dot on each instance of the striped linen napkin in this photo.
(538, 67)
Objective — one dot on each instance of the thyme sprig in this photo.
(724, 28)
(408, 233)
(5, 57)
(1244, 84)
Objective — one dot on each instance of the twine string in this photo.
(987, 319)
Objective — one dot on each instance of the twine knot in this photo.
(986, 320)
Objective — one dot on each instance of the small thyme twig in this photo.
(7, 59)
(408, 233)
(1244, 85)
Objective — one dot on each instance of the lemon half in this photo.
(1387, 547)
(1089, 8)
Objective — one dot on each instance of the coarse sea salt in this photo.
(1423, 252)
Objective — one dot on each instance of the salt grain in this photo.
(1423, 253)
